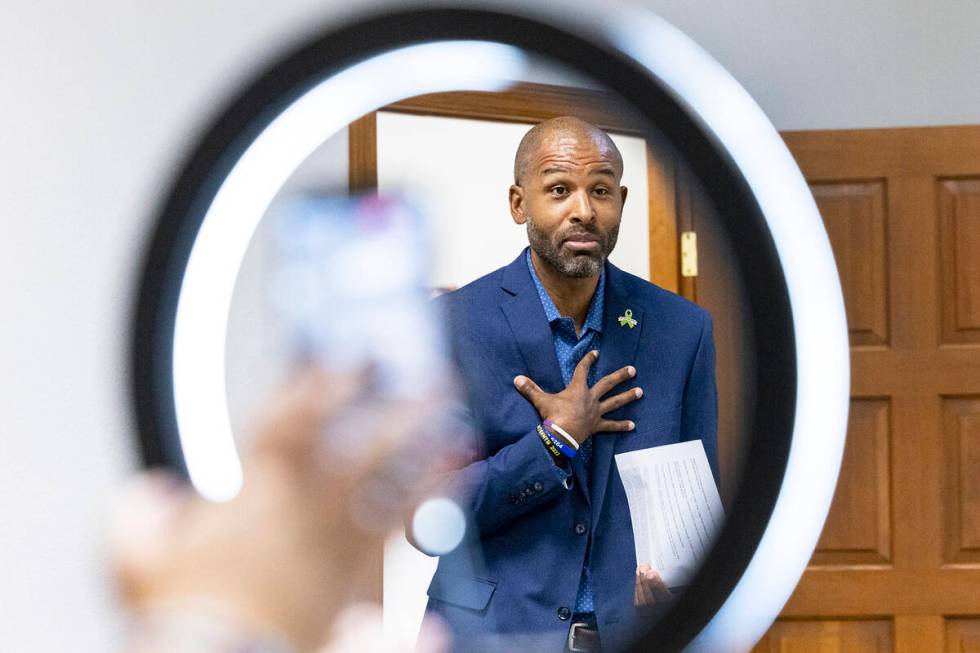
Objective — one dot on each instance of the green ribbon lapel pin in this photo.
(627, 319)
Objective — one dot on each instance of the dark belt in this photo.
(583, 637)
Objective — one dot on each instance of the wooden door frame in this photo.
(532, 103)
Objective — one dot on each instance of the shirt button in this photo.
(538, 486)
(564, 613)
(581, 529)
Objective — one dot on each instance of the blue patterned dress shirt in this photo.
(570, 348)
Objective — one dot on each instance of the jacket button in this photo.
(538, 486)
(564, 613)
(581, 529)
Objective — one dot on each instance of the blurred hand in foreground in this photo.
(300, 542)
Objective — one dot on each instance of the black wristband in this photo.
(549, 445)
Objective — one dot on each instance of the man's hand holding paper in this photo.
(675, 510)
(650, 588)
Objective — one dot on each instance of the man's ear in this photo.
(622, 194)
(516, 199)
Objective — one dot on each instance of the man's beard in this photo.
(578, 265)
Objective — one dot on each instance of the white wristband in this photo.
(563, 433)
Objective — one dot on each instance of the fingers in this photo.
(650, 588)
(142, 527)
(581, 373)
(620, 400)
(644, 594)
(610, 381)
(658, 588)
(637, 591)
(614, 426)
(372, 465)
(293, 421)
(373, 436)
(529, 389)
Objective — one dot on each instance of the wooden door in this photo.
(898, 565)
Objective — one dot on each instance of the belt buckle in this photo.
(571, 637)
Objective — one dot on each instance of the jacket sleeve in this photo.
(700, 405)
(514, 481)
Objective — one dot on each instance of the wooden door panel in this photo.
(858, 527)
(963, 636)
(959, 208)
(961, 460)
(828, 636)
(854, 214)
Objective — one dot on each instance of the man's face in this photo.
(572, 203)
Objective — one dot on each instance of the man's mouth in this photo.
(582, 243)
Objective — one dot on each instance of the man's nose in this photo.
(582, 210)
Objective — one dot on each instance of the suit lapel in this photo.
(619, 346)
(525, 315)
(523, 310)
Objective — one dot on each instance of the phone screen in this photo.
(352, 288)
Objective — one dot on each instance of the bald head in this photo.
(563, 127)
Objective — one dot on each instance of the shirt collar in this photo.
(593, 319)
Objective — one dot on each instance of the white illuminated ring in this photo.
(209, 280)
(819, 321)
(724, 111)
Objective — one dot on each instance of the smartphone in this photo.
(352, 287)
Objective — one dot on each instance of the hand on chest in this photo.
(505, 415)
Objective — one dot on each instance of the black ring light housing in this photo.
(337, 48)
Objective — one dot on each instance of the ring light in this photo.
(783, 252)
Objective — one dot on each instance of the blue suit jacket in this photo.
(506, 588)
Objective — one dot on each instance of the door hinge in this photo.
(689, 254)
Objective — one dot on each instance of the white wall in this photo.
(99, 100)
(839, 64)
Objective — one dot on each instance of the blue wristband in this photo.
(558, 442)
(552, 449)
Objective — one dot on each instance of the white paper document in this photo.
(674, 506)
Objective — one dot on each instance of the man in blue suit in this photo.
(567, 361)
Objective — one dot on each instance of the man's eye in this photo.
(559, 190)
(601, 191)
